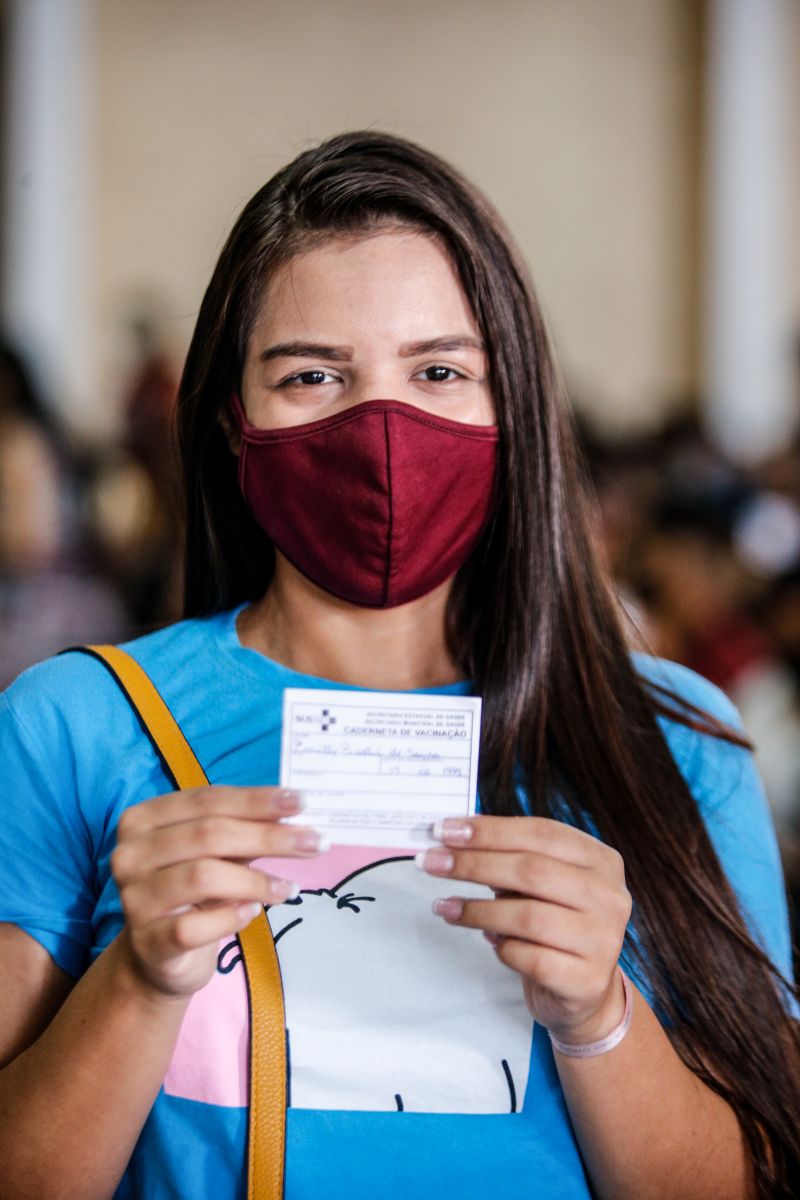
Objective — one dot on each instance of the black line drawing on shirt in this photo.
(511, 1089)
(230, 955)
(395, 1011)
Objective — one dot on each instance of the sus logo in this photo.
(387, 1007)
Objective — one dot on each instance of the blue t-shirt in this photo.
(415, 1067)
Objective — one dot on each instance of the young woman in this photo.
(381, 493)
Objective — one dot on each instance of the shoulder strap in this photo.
(267, 1082)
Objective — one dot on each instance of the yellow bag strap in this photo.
(266, 1135)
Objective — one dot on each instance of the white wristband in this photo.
(592, 1049)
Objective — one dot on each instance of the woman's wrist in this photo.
(130, 983)
(605, 1029)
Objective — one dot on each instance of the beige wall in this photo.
(578, 117)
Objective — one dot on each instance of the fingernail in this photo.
(284, 889)
(290, 802)
(435, 862)
(311, 841)
(248, 912)
(450, 908)
(493, 938)
(452, 830)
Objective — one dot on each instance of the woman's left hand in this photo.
(558, 918)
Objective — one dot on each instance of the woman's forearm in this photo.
(73, 1104)
(647, 1127)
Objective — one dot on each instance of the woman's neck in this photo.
(310, 631)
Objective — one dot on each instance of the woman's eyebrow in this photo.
(307, 350)
(443, 344)
(345, 353)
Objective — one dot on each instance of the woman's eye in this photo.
(310, 378)
(439, 374)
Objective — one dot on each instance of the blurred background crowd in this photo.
(706, 558)
(646, 155)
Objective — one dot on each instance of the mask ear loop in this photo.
(230, 420)
(237, 409)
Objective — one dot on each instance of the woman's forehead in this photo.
(400, 281)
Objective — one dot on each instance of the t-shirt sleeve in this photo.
(725, 782)
(46, 859)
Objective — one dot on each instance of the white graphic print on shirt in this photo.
(387, 1007)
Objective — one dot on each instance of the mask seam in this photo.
(390, 538)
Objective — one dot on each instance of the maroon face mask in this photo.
(377, 504)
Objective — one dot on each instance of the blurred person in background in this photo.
(48, 597)
(380, 494)
(32, 514)
(779, 609)
(701, 600)
(132, 500)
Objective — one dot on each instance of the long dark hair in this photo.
(531, 617)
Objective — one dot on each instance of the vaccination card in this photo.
(380, 768)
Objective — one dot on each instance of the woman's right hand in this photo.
(181, 867)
